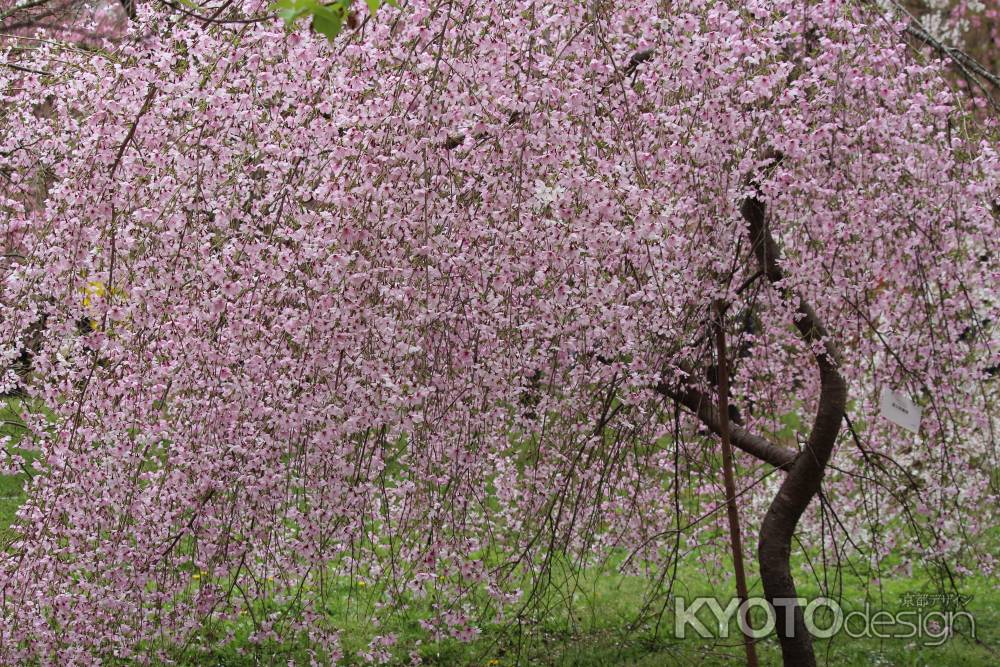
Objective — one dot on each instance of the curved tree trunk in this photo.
(805, 474)
(775, 542)
(804, 469)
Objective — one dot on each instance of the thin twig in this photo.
(131, 131)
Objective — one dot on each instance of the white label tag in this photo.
(900, 410)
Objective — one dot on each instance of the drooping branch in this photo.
(972, 69)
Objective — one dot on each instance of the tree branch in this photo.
(703, 408)
(131, 131)
(974, 70)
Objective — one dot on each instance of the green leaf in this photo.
(289, 10)
(373, 6)
(328, 21)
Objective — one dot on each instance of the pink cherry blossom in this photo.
(415, 308)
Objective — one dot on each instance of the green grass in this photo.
(586, 624)
(11, 486)
(590, 631)
(593, 633)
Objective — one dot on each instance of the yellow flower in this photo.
(361, 584)
(94, 289)
(196, 576)
(492, 662)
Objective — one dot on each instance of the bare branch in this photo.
(702, 406)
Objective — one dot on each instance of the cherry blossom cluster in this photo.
(384, 319)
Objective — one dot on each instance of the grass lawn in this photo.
(590, 630)
(594, 634)
(11, 486)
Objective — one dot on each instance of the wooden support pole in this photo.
(718, 314)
